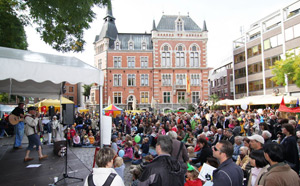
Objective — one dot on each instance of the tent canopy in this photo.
(34, 74)
(53, 102)
(112, 108)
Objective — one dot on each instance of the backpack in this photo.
(108, 181)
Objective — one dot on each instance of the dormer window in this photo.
(144, 46)
(179, 25)
(130, 45)
(117, 46)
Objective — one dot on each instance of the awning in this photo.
(53, 102)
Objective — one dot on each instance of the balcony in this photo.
(180, 87)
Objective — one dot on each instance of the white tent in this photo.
(33, 74)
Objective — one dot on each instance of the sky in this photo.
(224, 20)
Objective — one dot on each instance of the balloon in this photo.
(121, 153)
(137, 138)
(244, 106)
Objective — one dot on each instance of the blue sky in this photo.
(223, 19)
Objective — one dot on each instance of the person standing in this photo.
(32, 121)
(164, 169)
(19, 128)
(228, 173)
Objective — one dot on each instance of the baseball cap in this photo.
(258, 138)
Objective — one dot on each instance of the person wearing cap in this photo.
(19, 128)
(256, 142)
(32, 121)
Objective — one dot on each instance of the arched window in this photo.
(194, 56)
(180, 56)
(144, 45)
(117, 46)
(179, 25)
(130, 45)
(166, 56)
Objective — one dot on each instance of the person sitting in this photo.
(119, 167)
(76, 141)
(204, 154)
(145, 147)
(243, 159)
(86, 141)
(128, 156)
(135, 175)
(114, 143)
(91, 138)
(137, 158)
(191, 152)
(104, 160)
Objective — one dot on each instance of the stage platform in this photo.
(13, 169)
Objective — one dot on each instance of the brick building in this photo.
(154, 67)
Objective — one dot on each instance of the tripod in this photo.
(65, 175)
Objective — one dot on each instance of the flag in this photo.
(188, 85)
(297, 104)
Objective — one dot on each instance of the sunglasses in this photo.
(215, 148)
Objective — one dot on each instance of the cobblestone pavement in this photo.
(86, 155)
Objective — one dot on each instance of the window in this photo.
(71, 98)
(180, 57)
(239, 73)
(195, 97)
(117, 62)
(117, 80)
(131, 80)
(195, 79)
(144, 46)
(166, 57)
(167, 97)
(117, 45)
(256, 50)
(144, 97)
(254, 68)
(289, 34)
(144, 80)
(256, 85)
(166, 80)
(271, 61)
(179, 25)
(117, 97)
(180, 79)
(194, 59)
(181, 97)
(239, 57)
(130, 62)
(273, 42)
(144, 62)
(297, 30)
(241, 88)
(100, 63)
(130, 46)
(225, 80)
(71, 89)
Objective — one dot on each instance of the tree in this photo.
(61, 24)
(214, 98)
(289, 67)
(87, 91)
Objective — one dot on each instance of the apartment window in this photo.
(71, 89)
(166, 57)
(144, 62)
(225, 80)
(167, 97)
(253, 51)
(254, 68)
(239, 73)
(180, 79)
(181, 97)
(130, 46)
(131, 62)
(256, 85)
(117, 62)
(144, 79)
(273, 42)
(195, 97)
(117, 80)
(271, 61)
(117, 97)
(131, 80)
(241, 88)
(239, 57)
(195, 79)
(144, 97)
(166, 80)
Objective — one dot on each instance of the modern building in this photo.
(221, 80)
(166, 68)
(267, 40)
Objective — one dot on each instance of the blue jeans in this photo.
(19, 131)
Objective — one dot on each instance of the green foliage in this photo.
(13, 99)
(290, 67)
(87, 90)
(12, 33)
(214, 98)
(191, 107)
(61, 24)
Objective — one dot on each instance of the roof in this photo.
(137, 40)
(167, 23)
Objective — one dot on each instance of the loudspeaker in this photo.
(51, 111)
(67, 114)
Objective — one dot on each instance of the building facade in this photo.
(221, 81)
(267, 41)
(165, 69)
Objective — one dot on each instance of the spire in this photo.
(204, 27)
(153, 26)
(109, 13)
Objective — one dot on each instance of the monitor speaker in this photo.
(67, 114)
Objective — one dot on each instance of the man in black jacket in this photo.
(164, 169)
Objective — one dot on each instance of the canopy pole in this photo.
(100, 116)
(9, 95)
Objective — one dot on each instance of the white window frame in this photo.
(169, 80)
(129, 62)
(142, 98)
(146, 77)
(179, 94)
(119, 62)
(119, 76)
(129, 45)
(114, 97)
(144, 44)
(166, 61)
(192, 55)
(144, 62)
(192, 95)
(166, 97)
(182, 79)
(195, 81)
(133, 79)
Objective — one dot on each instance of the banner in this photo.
(188, 85)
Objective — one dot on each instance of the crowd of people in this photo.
(246, 147)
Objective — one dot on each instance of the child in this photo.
(86, 141)
(192, 177)
(114, 143)
(243, 159)
(119, 139)
(76, 140)
(135, 175)
(91, 137)
(137, 158)
(145, 147)
(128, 156)
(119, 167)
(191, 152)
